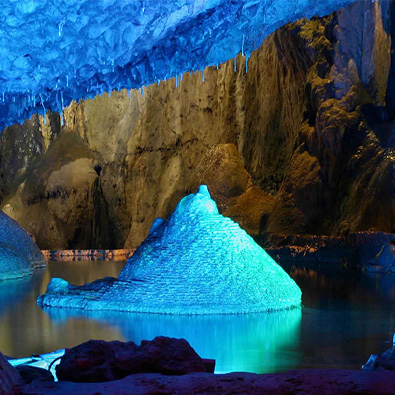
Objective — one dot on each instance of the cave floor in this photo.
(298, 381)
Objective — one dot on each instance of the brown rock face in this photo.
(9, 377)
(98, 361)
(303, 142)
(222, 170)
(60, 200)
(21, 145)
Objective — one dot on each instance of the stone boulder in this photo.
(19, 254)
(384, 261)
(9, 376)
(30, 374)
(60, 200)
(384, 361)
(99, 361)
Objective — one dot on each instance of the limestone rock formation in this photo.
(60, 199)
(98, 361)
(196, 262)
(307, 135)
(19, 255)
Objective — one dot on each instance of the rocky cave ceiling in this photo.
(56, 51)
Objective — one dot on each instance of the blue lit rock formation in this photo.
(196, 262)
(52, 51)
(19, 255)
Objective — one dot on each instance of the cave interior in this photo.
(118, 115)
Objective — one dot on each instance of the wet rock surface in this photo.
(384, 361)
(384, 261)
(99, 361)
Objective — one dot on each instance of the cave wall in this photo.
(301, 143)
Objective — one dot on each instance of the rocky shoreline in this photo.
(171, 366)
(368, 251)
(88, 255)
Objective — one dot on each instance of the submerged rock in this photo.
(19, 254)
(97, 361)
(196, 262)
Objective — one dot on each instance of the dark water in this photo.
(346, 317)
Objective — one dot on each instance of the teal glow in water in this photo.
(347, 316)
(251, 342)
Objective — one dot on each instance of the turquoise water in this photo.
(346, 317)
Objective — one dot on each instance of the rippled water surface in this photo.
(346, 317)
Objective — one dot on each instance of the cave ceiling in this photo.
(56, 51)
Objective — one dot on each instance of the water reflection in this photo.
(347, 316)
(12, 292)
(352, 312)
(254, 343)
(327, 287)
(26, 329)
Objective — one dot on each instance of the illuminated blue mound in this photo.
(53, 51)
(196, 262)
(19, 255)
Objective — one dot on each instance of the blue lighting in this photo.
(55, 51)
(19, 255)
(196, 262)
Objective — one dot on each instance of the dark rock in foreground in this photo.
(384, 361)
(9, 376)
(33, 373)
(100, 361)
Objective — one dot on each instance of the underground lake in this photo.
(232, 162)
(346, 316)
